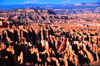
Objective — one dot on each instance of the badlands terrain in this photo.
(40, 37)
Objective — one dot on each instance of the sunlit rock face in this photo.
(67, 40)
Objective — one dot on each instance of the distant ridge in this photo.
(59, 8)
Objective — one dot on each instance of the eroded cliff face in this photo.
(74, 45)
(34, 15)
(62, 40)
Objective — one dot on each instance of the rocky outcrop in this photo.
(37, 15)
